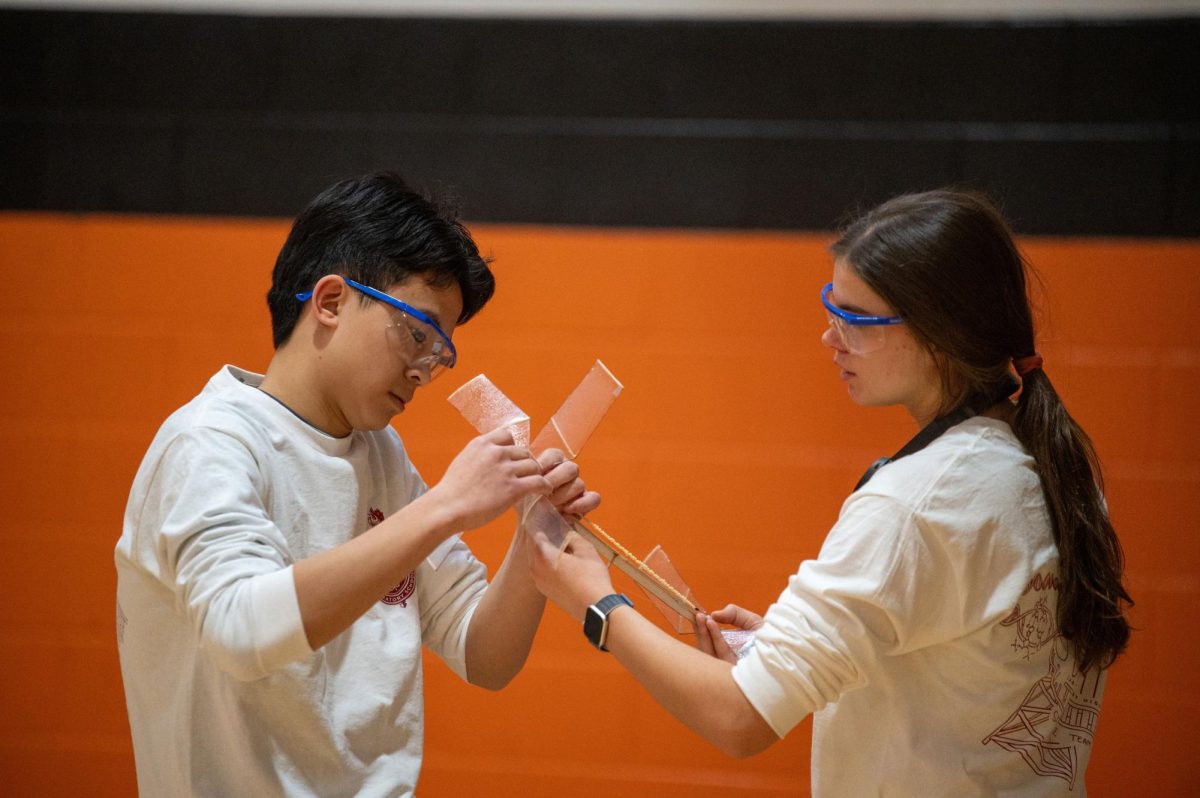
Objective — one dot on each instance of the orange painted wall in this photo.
(732, 445)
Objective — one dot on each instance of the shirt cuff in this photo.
(438, 555)
(278, 625)
(779, 708)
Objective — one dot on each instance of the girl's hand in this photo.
(708, 631)
(574, 577)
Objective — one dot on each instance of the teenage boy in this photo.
(282, 562)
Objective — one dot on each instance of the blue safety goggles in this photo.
(859, 332)
(432, 348)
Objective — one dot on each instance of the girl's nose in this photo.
(831, 339)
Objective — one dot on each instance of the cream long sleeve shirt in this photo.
(225, 697)
(924, 635)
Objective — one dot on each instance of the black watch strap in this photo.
(611, 602)
(595, 621)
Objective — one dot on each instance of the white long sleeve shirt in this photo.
(225, 697)
(924, 636)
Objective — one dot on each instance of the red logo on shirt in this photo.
(400, 593)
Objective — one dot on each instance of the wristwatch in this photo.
(595, 621)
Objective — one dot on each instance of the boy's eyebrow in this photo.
(431, 313)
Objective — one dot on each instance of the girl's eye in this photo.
(417, 335)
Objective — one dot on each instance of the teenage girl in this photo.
(953, 635)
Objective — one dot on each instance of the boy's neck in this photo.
(291, 381)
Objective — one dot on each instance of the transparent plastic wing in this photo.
(658, 561)
(486, 408)
(571, 426)
(738, 640)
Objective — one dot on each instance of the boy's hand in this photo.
(568, 493)
(489, 476)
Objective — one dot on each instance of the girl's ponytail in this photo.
(1091, 598)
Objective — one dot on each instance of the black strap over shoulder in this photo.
(934, 429)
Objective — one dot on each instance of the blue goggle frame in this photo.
(403, 307)
(855, 319)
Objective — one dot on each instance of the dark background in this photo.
(1076, 127)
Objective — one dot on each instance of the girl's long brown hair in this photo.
(947, 263)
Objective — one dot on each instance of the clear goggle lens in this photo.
(422, 344)
(859, 340)
(860, 333)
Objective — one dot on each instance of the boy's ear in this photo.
(329, 296)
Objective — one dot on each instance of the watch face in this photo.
(593, 627)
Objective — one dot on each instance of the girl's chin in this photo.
(860, 397)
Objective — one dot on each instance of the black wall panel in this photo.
(1078, 128)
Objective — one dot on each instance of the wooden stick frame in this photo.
(638, 571)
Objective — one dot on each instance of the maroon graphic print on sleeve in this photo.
(1057, 717)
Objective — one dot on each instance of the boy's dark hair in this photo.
(378, 231)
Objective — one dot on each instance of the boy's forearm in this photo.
(335, 587)
(505, 622)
